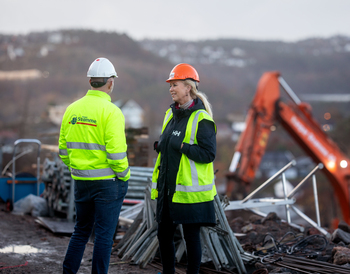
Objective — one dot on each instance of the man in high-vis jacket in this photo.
(92, 144)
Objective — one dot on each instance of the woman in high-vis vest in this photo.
(183, 177)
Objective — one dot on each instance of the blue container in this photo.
(24, 186)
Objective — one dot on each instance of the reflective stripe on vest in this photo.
(116, 156)
(98, 172)
(124, 173)
(91, 146)
(196, 188)
(169, 113)
(88, 146)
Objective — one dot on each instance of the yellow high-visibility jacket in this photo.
(92, 139)
(195, 182)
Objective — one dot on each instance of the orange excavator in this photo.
(267, 109)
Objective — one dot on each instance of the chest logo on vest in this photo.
(176, 133)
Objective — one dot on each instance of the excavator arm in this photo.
(266, 110)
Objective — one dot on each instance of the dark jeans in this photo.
(96, 202)
(166, 230)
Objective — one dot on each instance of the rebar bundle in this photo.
(305, 265)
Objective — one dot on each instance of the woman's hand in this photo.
(176, 142)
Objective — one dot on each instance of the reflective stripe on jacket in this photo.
(92, 139)
(194, 181)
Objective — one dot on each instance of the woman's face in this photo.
(180, 92)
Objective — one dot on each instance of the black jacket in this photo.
(169, 145)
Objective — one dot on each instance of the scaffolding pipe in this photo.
(291, 163)
(319, 166)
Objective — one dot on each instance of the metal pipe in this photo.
(232, 240)
(219, 249)
(285, 197)
(38, 174)
(316, 200)
(139, 242)
(291, 163)
(151, 252)
(13, 174)
(207, 242)
(142, 169)
(234, 162)
(289, 91)
(311, 222)
(319, 166)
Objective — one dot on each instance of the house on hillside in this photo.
(133, 113)
(238, 125)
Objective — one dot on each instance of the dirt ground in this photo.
(27, 247)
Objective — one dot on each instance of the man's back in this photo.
(93, 129)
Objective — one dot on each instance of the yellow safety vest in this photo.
(194, 181)
(92, 139)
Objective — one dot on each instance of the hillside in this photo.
(313, 66)
(229, 71)
(63, 58)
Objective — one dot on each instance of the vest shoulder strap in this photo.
(192, 125)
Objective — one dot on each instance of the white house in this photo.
(133, 113)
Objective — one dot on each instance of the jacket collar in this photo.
(198, 104)
(99, 94)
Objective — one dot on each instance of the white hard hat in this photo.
(101, 67)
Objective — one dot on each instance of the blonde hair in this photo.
(195, 93)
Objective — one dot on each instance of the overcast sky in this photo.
(288, 20)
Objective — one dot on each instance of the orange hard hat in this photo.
(182, 72)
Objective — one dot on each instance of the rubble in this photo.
(341, 255)
(344, 226)
(140, 243)
(340, 235)
(282, 248)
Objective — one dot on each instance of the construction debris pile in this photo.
(282, 248)
(259, 244)
(265, 245)
(220, 246)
